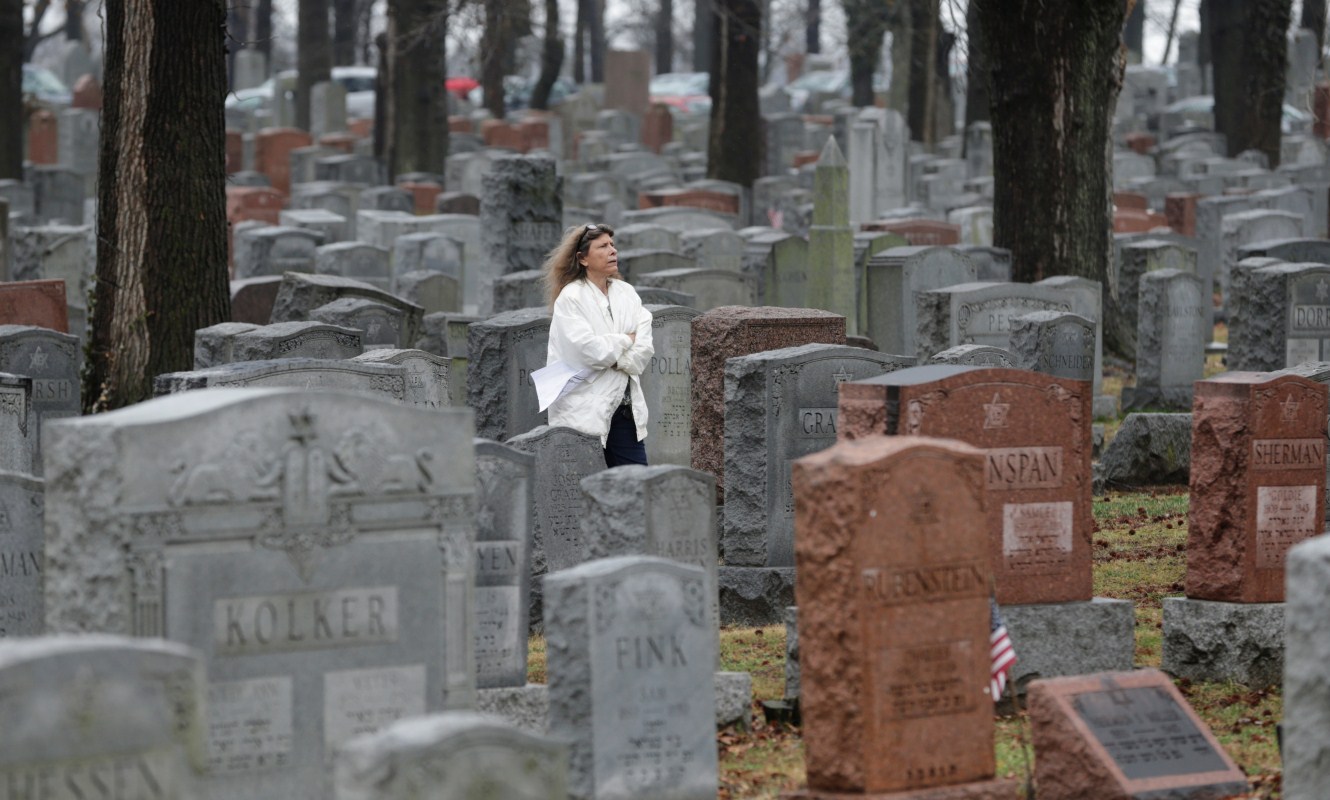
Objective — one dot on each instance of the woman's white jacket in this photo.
(590, 329)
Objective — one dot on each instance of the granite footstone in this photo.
(1208, 640)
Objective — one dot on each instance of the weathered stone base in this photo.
(1212, 641)
(1105, 406)
(1002, 789)
(526, 707)
(1178, 398)
(1079, 638)
(755, 595)
(792, 653)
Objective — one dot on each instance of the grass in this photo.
(1139, 555)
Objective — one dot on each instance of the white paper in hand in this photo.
(558, 379)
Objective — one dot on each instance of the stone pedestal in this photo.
(1306, 692)
(1217, 641)
(1001, 789)
(1077, 638)
(752, 596)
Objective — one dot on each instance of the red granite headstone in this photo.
(40, 303)
(535, 131)
(1257, 482)
(1035, 431)
(730, 331)
(1140, 142)
(805, 157)
(43, 138)
(253, 202)
(1130, 220)
(1180, 212)
(252, 299)
(272, 154)
(918, 232)
(657, 127)
(1122, 736)
(460, 125)
(457, 203)
(87, 94)
(708, 199)
(342, 141)
(424, 193)
(235, 151)
(497, 133)
(1321, 110)
(361, 127)
(1132, 200)
(894, 621)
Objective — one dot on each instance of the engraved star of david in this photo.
(995, 413)
(1290, 408)
(1322, 290)
(38, 359)
(842, 376)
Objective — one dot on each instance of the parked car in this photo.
(688, 92)
(358, 82)
(1201, 109)
(517, 92)
(42, 84)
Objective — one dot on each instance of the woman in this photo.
(599, 323)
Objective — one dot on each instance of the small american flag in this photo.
(1001, 655)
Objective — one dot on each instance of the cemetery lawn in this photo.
(1139, 555)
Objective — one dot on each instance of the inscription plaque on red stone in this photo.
(1257, 482)
(1034, 430)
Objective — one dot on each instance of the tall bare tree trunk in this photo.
(493, 52)
(417, 110)
(74, 20)
(579, 42)
(813, 28)
(161, 204)
(1250, 52)
(1172, 31)
(665, 37)
(596, 29)
(345, 19)
(11, 90)
(263, 30)
(1056, 72)
(977, 71)
(735, 150)
(551, 58)
(313, 56)
(1133, 32)
(704, 33)
(865, 23)
(923, 69)
(1313, 19)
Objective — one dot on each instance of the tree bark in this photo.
(664, 37)
(263, 30)
(493, 48)
(161, 207)
(1172, 31)
(977, 71)
(313, 56)
(1056, 72)
(596, 31)
(704, 34)
(735, 149)
(237, 34)
(551, 58)
(417, 110)
(345, 18)
(923, 69)
(901, 27)
(11, 90)
(1247, 43)
(1313, 19)
(1133, 32)
(813, 28)
(865, 22)
(74, 20)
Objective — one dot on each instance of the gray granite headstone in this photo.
(634, 264)
(1054, 342)
(18, 429)
(427, 379)
(502, 352)
(332, 226)
(1170, 338)
(358, 260)
(780, 405)
(379, 324)
(1087, 300)
(667, 384)
(518, 290)
(521, 213)
(309, 339)
(101, 716)
(457, 755)
(990, 263)
(713, 249)
(21, 545)
(274, 250)
(54, 361)
(387, 381)
(316, 547)
(978, 313)
(630, 658)
(435, 252)
(1136, 258)
(975, 355)
(892, 281)
(1315, 251)
(301, 293)
(505, 523)
(432, 291)
(665, 511)
(653, 295)
(563, 458)
(1281, 316)
(214, 345)
(712, 288)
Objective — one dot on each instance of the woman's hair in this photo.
(561, 265)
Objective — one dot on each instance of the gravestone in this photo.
(1056, 343)
(518, 290)
(726, 332)
(452, 756)
(315, 546)
(712, 249)
(893, 592)
(332, 226)
(252, 299)
(301, 293)
(563, 458)
(1122, 735)
(1245, 227)
(505, 524)
(1138, 259)
(434, 292)
(363, 262)
(39, 303)
(275, 250)
(974, 355)
(1170, 339)
(311, 339)
(19, 433)
(22, 541)
(386, 381)
(664, 511)
(990, 263)
(54, 361)
(435, 252)
(654, 296)
(521, 216)
(667, 385)
(1280, 315)
(831, 283)
(1306, 772)
(892, 282)
(214, 345)
(712, 288)
(627, 79)
(101, 716)
(635, 646)
(502, 352)
(978, 313)
(426, 379)
(379, 324)
(1086, 298)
